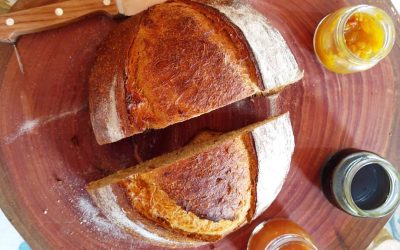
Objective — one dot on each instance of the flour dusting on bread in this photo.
(113, 125)
(274, 144)
(108, 202)
(91, 216)
(276, 62)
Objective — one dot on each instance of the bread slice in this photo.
(203, 191)
(181, 59)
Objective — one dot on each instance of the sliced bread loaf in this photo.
(203, 191)
(181, 59)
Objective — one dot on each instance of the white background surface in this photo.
(9, 237)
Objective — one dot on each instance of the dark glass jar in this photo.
(361, 183)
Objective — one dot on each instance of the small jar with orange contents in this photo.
(354, 39)
(280, 234)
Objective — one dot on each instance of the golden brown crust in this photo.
(161, 213)
(244, 53)
(108, 78)
(253, 164)
(186, 60)
(203, 197)
(181, 59)
(173, 62)
(153, 200)
(115, 203)
(211, 184)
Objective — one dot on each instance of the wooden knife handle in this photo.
(18, 23)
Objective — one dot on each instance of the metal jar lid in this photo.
(342, 177)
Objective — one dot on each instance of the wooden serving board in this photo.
(48, 151)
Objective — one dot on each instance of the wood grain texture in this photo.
(49, 16)
(48, 151)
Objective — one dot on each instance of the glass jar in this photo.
(340, 55)
(361, 183)
(280, 234)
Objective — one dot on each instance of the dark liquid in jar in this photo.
(370, 187)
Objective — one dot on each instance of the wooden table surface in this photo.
(48, 152)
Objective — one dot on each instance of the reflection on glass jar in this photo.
(280, 234)
(354, 39)
(361, 183)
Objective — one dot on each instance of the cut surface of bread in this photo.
(205, 190)
(181, 59)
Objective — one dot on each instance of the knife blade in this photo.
(15, 24)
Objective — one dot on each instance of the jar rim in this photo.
(386, 23)
(285, 239)
(344, 174)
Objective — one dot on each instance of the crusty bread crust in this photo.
(276, 63)
(116, 205)
(269, 145)
(204, 179)
(107, 104)
(181, 59)
(186, 60)
(203, 197)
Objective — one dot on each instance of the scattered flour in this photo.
(87, 213)
(30, 125)
(91, 216)
(273, 99)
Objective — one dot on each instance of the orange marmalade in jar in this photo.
(354, 39)
(280, 234)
